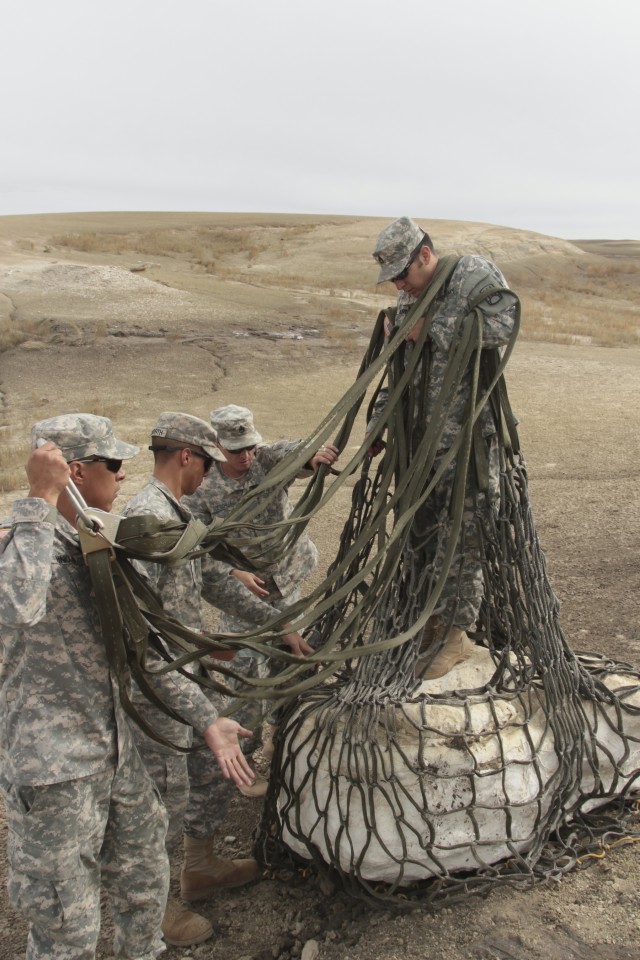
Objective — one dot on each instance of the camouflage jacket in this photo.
(470, 276)
(179, 584)
(217, 496)
(61, 716)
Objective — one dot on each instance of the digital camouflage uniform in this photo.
(463, 590)
(179, 587)
(217, 496)
(80, 807)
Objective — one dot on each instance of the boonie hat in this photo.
(80, 435)
(234, 427)
(184, 428)
(394, 247)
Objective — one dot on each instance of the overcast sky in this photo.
(503, 111)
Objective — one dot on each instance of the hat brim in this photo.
(123, 451)
(237, 443)
(178, 437)
(214, 453)
(391, 270)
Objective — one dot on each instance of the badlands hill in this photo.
(178, 274)
(132, 313)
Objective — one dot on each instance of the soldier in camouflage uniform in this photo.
(407, 259)
(81, 810)
(254, 599)
(184, 449)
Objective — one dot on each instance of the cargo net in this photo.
(518, 763)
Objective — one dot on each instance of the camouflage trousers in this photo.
(166, 767)
(194, 792)
(430, 538)
(210, 793)
(65, 839)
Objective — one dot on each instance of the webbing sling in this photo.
(127, 608)
(338, 760)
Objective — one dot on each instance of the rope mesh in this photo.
(407, 795)
(513, 767)
(409, 792)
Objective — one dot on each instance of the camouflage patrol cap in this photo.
(234, 427)
(394, 247)
(184, 428)
(80, 435)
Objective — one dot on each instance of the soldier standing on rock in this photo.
(406, 257)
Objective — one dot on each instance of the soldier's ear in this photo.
(78, 472)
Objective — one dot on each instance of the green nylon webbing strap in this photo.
(171, 541)
(128, 608)
(345, 411)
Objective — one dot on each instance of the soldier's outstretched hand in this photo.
(222, 739)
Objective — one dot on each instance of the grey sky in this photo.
(515, 113)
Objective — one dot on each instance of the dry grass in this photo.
(15, 444)
(588, 293)
(14, 332)
(204, 246)
(580, 300)
(185, 243)
(14, 451)
(590, 297)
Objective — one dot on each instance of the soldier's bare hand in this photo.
(297, 644)
(222, 739)
(48, 472)
(375, 447)
(251, 582)
(327, 455)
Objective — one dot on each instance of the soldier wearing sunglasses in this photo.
(253, 599)
(83, 817)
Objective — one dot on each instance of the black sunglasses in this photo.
(208, 461)
(404, 273)
(241, 449)
(112, 465)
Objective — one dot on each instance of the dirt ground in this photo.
(577, 406)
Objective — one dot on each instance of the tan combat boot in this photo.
(203, 872)
(267, 741)
(184, 928)
(258, 788)
(260, 785)
(457, 647)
